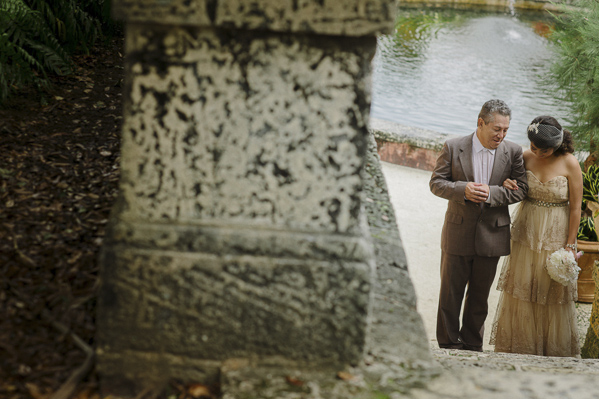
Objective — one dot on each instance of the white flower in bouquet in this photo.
(562, 266)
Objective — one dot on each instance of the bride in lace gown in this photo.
(536, 315)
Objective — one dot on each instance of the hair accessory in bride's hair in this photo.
(545, 136)
(533, 127)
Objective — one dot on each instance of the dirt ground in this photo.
(59, 171)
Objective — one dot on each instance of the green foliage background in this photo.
(576, 68)
(37, 38)
(576, 71)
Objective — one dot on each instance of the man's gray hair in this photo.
(492, 107)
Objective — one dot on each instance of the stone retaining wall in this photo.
(407, 145)
(415, 147)
(534, 5)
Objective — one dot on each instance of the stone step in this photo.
(451, 359)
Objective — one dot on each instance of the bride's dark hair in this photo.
(567, 145)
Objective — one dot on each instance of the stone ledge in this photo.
(414, 136)
(454, 374)
(407, 145)
(397, 327)
(451, 359)
(529, 5)
(347, 18)
(238, 240)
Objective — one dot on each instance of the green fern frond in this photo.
(38, 36)
(51, 61)
(69, 22)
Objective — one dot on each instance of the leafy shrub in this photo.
(590, 184)
(101, 10)
(37, 38)
(577, 69)
(586, 229)
(28, 48)
(69, 21)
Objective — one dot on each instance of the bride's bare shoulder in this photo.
(572, 163)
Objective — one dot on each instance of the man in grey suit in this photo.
(469, 173)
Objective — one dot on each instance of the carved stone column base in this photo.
(194, 295)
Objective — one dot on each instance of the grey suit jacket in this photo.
(470, 229)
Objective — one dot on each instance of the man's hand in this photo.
(477, 192)
(510, 184)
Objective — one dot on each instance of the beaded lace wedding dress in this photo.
(536, 315)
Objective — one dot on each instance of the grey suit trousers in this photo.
(458, 272)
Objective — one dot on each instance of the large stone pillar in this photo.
(239, 231)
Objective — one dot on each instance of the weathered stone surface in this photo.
(534, 5)
(399, 358)
(406, 155)
(240, 240)
(328, 17)
(406, 145)
(239, 231)
(386, 131)
(175, 12)
(452, 374)
(233, 128)
(397, 328)
(473, 375)
(220, 306)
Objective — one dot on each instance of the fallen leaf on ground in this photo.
(199, 391)
(34, 391)
(294, 381)
(342, 375)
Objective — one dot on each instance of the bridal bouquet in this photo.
(562, 266)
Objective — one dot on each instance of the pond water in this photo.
(440, 67)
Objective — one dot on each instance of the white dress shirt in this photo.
(482, 161)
